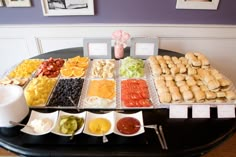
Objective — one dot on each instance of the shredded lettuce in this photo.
(132, 68)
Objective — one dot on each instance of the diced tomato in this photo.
(134, 93)
(143, 85)
(125, 91)
(125, 97)
(145, 95)
(145, 102)
(135, 96)
(130, 103)
(132, 80)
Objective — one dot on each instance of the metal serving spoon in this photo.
(72, 101)
(104, 138)
(19, 124)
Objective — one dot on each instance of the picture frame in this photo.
(18, 3)
(142, 47)
(67, 7)
(97, 48)
(1, 3)
(197, 4)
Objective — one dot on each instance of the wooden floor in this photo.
(226, 149)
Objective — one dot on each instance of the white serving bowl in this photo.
(138, 116)
(62, 113)
(13, 106)
(90, 116)
(40, 116)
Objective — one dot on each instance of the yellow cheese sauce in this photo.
(99, 126)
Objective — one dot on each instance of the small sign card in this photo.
(201, 111)
(142, 47)
(178, 111)
(97, 48)
(226, 111)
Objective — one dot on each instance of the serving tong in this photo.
(160, 134)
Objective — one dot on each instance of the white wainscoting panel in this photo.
(12, 51)
(52, 44)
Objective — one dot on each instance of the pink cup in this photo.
(119, 51)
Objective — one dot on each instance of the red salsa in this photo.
(128, 125)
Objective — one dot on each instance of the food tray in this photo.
(7, 73)
(167, 105)
(84, 96)
(49, 95)
(85, 74)
(90, 69)
(212, 104)
(16, 80)
(66, 102)
(148, 77)
(151, 96)
(146, 69)
(46, 66)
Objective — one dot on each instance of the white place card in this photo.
(201, 111)
(226, 111)
(144, 49)
(98, 49)
(178, 111)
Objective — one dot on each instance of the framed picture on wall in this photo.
(1, 3)
(18, 3)
(197, 4)
(97, 48)
(142, 47)
(67, 7)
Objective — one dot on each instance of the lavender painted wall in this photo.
(126, 11)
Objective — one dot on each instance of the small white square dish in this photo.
(99, 124)
(129, 124)
(69, 123)
(40, 123)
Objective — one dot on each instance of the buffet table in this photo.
(185, 137)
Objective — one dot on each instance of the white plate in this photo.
(90, 116)
(38, 115)
(138, 116)
(61, 113)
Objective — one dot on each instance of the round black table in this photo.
(185, 137)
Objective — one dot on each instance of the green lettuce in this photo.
(132, 68)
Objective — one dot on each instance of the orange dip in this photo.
(102, 88)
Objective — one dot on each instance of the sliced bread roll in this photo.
(165, 97)
(199, 96)
(230, 95)
(188, 96)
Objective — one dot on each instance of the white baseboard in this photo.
(217, 42)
